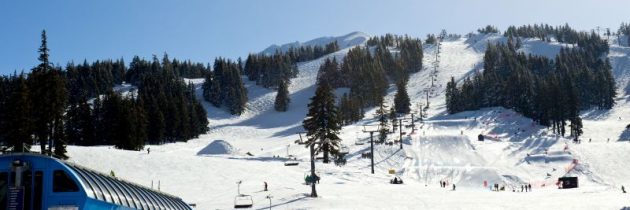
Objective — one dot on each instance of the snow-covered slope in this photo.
(345, 41)
(444, 147)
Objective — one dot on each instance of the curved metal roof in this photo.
(109, 189)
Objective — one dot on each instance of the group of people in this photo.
(526, 187)
(396, 180)
(497, 188)
(444, 184)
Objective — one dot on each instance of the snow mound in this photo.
(217, 147)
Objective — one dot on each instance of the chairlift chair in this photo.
(291, 161)
(358, 142)
(243, 201)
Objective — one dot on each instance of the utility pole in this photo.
(413, 128)
(314, 180)
(400, 128)
(372, 150)
(427, 91)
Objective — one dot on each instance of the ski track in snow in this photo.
(444, 147)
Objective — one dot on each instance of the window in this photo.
(63, 183)
(39, 185)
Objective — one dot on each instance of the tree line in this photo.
(224, 86)
(550, 91)
(55, 107)
(307, 53)
(589, 42)
(368, 70)
(270, 71)
(624, 29)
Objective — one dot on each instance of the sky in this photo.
(201, 30)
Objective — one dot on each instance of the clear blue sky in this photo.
(201, 30)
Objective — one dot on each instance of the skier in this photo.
(623, 189)
(522, 186)
(265, 186)
(530, 187)
(453, 187)
(148, 150)
(589, 140)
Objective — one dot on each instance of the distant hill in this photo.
(348, 40)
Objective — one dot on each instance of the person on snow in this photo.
(522, 187)
(265, 186)
(148, 150)
(453, 187)
(530, 187)
(623, 189)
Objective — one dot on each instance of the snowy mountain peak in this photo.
(345, 41)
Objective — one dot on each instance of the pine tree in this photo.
(452, 96)
(214, 90)
(382, 118)
(49, 97)
(18, 120)
(392, 117)
(282, 97)
(321, 122)
(401, 100)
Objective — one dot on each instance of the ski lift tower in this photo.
(413, 127)
(426, 90)
(370, 129)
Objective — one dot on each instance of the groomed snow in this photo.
(444, 147)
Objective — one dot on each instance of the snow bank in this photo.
(217, 147)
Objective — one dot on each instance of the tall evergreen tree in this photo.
(49, 97)
(18, 120)
(282, 97)
(321, 122)
(382, 119)
(402, 103)
(452, 94)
